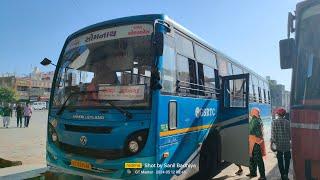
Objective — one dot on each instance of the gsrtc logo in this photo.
(204, 112)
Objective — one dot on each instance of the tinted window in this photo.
(184, 46)
(205, 56)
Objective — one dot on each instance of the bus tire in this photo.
(209, 157)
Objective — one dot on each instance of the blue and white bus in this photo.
(143, 97)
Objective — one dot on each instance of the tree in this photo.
(7, 95)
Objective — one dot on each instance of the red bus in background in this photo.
(302, 55)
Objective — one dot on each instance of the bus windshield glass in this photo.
(108, 65)
(307, 85)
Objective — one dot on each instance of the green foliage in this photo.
(7, 95)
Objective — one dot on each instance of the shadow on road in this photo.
(11, 128)
(227, 177)
(6, 163)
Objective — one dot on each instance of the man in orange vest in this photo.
(256, 145)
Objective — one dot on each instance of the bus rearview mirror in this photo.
(287, 53)
(155, 80)
(46, 62)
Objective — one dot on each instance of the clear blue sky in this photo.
(247, 30)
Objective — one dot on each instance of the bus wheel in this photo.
(208, 162)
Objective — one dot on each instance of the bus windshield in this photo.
(307, 84)
(106, 65)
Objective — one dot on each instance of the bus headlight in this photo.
(52, 135)
(133, 146)
(136, 142)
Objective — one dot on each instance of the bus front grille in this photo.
(96, 153)
(88, 129)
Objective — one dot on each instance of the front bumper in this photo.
(101, 168)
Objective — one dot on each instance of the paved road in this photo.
(25, 144)
(272, 171)
(28, 145)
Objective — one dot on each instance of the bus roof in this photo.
(151, 18)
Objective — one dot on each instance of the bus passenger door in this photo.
(233, 120)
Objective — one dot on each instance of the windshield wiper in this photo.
(63, 106)
(124, 112)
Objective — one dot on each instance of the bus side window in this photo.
(168, 67)
(207, 81)
(201, 79)
(251, 97)
(231, 83)
(193, 76)
(252, 87)
(230, 70)
(255, 88)
(222, 65)
(184, 45)
(236, 69)
(269, 98)
(260, 97)
(264, 96)
(186, 76)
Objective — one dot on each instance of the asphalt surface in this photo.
(25, 144)
(28, 145)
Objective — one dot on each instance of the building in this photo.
(34, 87)
(279, 96)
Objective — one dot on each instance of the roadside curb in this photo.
(22, 172)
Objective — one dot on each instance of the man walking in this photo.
(27, 115)
(280, 137)
(7, 114)
(19, 114)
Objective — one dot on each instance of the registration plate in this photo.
(81, 164)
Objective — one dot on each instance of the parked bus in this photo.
(302, 55)
(142, 96)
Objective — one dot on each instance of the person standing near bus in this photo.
(27, 115)
(256, 145)
(280, 137)
(7, 114)
(19, 114)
